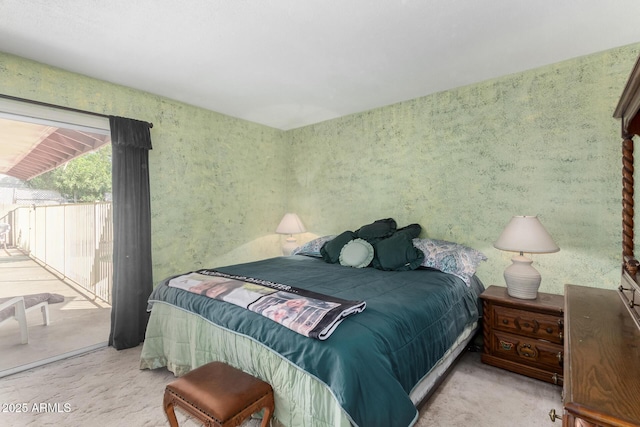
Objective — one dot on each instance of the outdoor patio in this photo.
(79, 323)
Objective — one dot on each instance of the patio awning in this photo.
(28, 149)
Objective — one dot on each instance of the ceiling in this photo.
(291, 63)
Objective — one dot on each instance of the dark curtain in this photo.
(132, 276)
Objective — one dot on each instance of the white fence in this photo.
(75, 240)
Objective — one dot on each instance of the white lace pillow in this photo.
(450, 257)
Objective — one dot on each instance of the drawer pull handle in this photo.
(554, 416)
(559, 356)
(560, 328)
(549, 330)
(506, 345)
(505, 321)
(524, 324)
(525, 350)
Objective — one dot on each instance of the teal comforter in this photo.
(373, 359)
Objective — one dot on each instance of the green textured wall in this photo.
(462, 162)
(217, 184)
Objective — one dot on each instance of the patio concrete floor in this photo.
(78, 324)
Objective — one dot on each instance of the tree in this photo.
(83, 179)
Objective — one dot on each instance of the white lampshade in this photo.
(524, 234)
(290, 224)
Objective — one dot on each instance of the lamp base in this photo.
(522, 279)
(289, 246)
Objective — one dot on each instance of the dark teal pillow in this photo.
(397, 253)
(412, 230)
(377, 230)
(330, 251)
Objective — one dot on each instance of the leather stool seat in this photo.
(219, 395)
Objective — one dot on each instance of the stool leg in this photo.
(266, 417)
(168, 409)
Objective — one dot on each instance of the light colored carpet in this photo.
(475, 394)
(105, 388)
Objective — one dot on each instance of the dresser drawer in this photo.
(534, 353)
(535, 325)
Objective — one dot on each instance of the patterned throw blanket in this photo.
(308, 313)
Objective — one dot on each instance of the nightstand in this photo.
(524, 336)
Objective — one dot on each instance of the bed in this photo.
(375, 368)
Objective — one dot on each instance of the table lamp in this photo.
(290, 225)
(524, 234)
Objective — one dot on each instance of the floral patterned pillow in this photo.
(312, 248)
(449, 257)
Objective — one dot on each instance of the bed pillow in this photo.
(450, 257)
(377, 230)
(397, 253)
(412, 230)
(312, 248)
(357, 253)
(330, 251)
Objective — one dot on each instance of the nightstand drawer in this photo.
(535, 325)
(537, 354)
(524, 336)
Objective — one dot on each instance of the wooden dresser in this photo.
(602, 360)
(524, 336)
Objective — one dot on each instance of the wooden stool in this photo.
(219, 395)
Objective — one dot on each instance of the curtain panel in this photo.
(132, 268)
